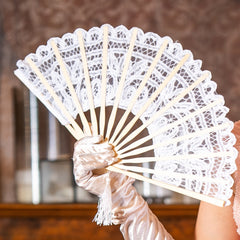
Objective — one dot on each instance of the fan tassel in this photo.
(104, 214)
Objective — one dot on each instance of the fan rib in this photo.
(177, 157)
(40, 96)
(165, 128)
(199, 196)
(164, 109)
(150, 100)
(72, 131)
(171, 174)
(121, 83)
(139, 90)
(88, 84)
(104, 80)
(78, 131)
(64, 70)
(174, 140)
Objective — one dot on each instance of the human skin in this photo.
(218, 222)
(215, 223)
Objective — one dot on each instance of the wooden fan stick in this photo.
(199, 196)
(139, 90)
(77, 133)
(121, 82)
(177, 157)
(161, 111)
(174, 140)
(165, 128)
(104, 80)
(171, 174)
(72, 131)
(150, 100)
(47, 104)
(71, 88)
(88, 84)
(42, 98)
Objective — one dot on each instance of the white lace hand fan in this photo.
(160, 84)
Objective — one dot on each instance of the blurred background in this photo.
(32, 143)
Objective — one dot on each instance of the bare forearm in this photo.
(215, 223)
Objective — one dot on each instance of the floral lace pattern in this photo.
(199, 173)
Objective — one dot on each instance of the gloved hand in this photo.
(91, 155)
(128, 208)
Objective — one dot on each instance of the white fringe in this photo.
(104, 214)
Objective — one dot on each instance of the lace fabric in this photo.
(209, 175)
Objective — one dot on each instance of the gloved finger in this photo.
(93, 183)
(91, 157)
(90, 140)
(94, 161)
(81, 148)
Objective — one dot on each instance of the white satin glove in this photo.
(128, 208)
(91, 155)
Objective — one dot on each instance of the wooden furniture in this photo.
(74, 222)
